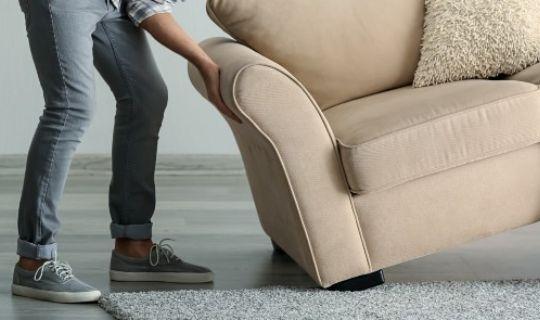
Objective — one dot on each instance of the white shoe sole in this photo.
(53, 296)
(174, 277)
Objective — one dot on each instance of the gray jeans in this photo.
(67, 39)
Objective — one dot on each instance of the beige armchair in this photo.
(351, 169)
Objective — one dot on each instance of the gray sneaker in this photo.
(53, 281)
(161, 265)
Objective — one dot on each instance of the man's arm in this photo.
(164, 28)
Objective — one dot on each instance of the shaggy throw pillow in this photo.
(466, 39)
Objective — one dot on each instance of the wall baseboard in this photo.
(167, 165)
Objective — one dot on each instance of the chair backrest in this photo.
(340, 50)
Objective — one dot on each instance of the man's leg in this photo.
(123, 57)
(60, 40)
(59, 34)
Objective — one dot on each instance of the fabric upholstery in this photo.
(452, 207)
(287, 145)
(340, 50)
(300, 190)
(477, 39)
(404, 134)
(531, 75)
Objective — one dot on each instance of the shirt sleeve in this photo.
(140, 10)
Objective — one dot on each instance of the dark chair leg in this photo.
(360, 283)
(277, 249)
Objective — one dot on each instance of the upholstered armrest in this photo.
(292, 164)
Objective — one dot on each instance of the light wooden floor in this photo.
(212, 217)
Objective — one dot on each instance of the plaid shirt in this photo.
(139, 10)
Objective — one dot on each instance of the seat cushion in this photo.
(531, 75)
(340, 50)
(404, 134)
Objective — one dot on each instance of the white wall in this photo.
(191, 126)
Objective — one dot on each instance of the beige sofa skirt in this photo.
(451, 207)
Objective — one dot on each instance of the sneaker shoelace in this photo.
(61, 269)
(161, 249)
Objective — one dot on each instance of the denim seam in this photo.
(132, 107)
(68, 106)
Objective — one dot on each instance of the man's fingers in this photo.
(230, 114)
(215, 97)
(225, 110)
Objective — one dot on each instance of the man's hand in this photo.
(210, 73)
(168, 32)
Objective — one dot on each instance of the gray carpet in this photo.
(491, 300)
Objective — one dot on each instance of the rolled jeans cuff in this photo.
(36, 251)
(131, 231)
